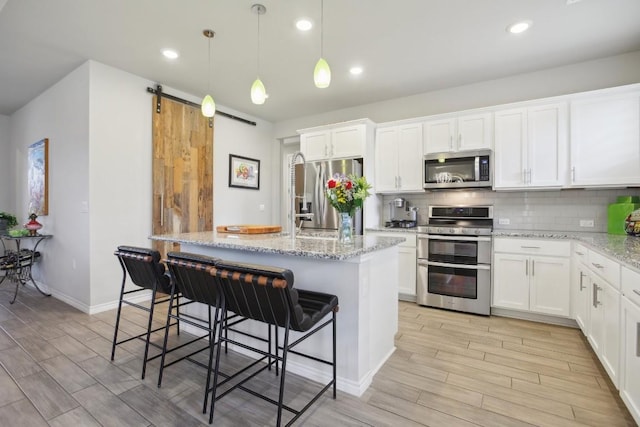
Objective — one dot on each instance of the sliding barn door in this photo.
(182, 171)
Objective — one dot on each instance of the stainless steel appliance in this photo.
(401, 215)
(463, 169)
(325, 217)
(454, 259)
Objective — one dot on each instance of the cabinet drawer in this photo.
(532, 246)
(605, 267)
(631, 284)
(581, 253)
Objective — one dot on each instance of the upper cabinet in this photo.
(398, 159)
(468, 132)
(605, 139)
(531, 147)
(343, 140)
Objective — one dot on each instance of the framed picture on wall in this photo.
(244, 172)
(38, 177)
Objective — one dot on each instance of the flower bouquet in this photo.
(346, 194)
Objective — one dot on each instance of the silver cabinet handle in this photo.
(582, 275)
(533, 267)
(580, 253)
(596, 265)
(594, 300)
(635, 291)
(526, 267)
(399, 182)
(573, 174)
(530, 247)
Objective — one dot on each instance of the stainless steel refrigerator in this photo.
(325, 216)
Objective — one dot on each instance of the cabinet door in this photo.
(439, 135)
(630, 360)
(348, 141)
(407, 267)
(549, 285)
(547, 145)
(386, 160)
(580, 296)
(605, 140)
(510, 148)
(474, 132)
(610, 357)
(510, 281)
(410, 158)
(315, 145)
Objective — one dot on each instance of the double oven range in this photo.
(454, 259)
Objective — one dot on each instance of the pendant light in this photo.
(322, 72)
(258, 92)
(208, 104)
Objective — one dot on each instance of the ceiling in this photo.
(405, 46)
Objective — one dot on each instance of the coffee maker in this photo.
(401, 215)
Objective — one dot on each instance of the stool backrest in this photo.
(260, 292)
(191, 273)
(144, 267)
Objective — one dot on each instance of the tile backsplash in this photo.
(526, 210)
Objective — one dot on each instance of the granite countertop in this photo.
(413, 230)
(620, 247)
(321, 245)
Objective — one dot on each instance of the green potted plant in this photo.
(7, 221)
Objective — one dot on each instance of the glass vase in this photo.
(345, 228)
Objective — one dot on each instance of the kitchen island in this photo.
(363, 274)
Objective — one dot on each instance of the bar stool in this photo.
(191, 274)
(266, 294)
(143, 267)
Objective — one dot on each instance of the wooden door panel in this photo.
(182, 172)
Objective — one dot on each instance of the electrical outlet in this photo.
(261, 207)
(586, 223)
(570, 2)
(504, 221)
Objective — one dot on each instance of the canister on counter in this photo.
(618, 212)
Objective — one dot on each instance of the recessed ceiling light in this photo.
(356, 70)
(170, 53)
(303, 24)
(519, 27)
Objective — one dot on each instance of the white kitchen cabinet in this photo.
(407, 263)
(334, 142)
(604, 325)
(532, 275)
(398, 159)
(630, 342)
(580, 287)
(531, 147)
(605, 139)
(466, 132)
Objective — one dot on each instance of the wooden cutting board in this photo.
(249, 229)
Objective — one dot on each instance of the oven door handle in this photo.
(459, 238)
(444, 264)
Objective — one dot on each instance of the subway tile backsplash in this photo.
(526, 210)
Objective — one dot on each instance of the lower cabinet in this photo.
(630, 339)
(536, 283)
(407, 263)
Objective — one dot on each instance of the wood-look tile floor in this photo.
(449, 369)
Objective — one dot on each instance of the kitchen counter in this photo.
(319, 245)
(623, 248)
(364, 275)
(413, 230)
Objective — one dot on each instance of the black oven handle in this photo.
(458, 238)
(447, 265)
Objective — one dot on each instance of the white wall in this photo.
(7, 189)
(60, 114)
(597, 74)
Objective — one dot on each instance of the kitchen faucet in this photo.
(292, 174)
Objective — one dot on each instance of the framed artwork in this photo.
(38, 170)
(244, 172)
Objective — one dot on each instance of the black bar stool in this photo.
(266, 294)
(192, 276)
(143, 267)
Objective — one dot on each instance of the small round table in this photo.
(17, 264)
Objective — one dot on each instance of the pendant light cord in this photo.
(209, 74)
(258, 55)
(321, 28)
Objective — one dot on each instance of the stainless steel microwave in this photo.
(464, 169)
